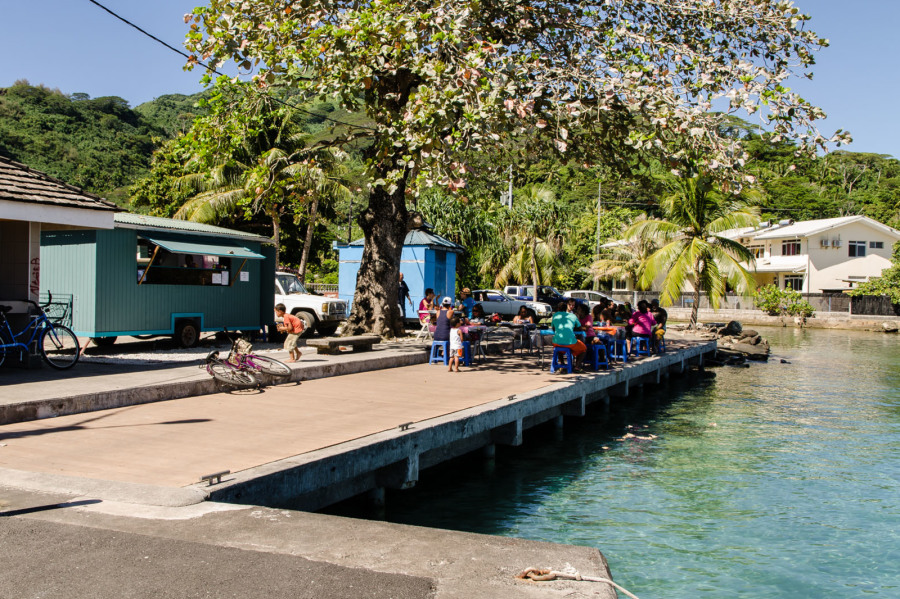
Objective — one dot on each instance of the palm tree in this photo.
(623, 260)
(531, 240)
(691, 247)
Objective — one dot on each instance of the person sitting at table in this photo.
(642, 321)
(564, 325)
(523, 317)
(478, 315)
(587, 323)
(426, 305)
(466, 302)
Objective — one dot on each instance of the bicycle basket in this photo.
(242, 346)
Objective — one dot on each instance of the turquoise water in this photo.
(775, 481)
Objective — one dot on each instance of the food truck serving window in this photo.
(175, 262)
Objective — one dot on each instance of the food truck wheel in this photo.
(309, 322)
(186, 334)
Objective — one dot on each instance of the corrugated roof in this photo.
(780, 264)
(422, 237)
(128, 220)
(18, 183)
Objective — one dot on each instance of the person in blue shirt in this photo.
(467, 302)
(564, 324)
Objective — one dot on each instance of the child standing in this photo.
(456, 344)
(293, 326)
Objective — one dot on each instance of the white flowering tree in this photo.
(592, 80)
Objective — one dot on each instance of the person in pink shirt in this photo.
(642, 321)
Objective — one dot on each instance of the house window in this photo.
(790, 248)
(794, 282)
(158, 266)
(876, 245)
(621, 284)
(857, 249)
(758, 251)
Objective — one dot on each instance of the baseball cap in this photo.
(447, 302)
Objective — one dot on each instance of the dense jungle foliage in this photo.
(106, 147)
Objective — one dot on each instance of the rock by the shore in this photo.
(733, 328)
(890, 326)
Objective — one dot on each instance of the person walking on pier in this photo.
(293, 326)
(403, 294)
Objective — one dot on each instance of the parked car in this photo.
(546, 294)
(497, 302)
(591, 297)
(319, 313)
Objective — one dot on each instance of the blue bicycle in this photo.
(58, 344)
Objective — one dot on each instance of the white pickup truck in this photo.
(317, 312)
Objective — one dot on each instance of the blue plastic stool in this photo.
(640, 345)
(444, 347)
(467, 353)
(555, 363)
(594, 354)
(619, 350)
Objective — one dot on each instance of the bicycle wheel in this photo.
(232, 376)
(59, 347)
(269, 366)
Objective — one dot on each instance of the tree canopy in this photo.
(592, 80)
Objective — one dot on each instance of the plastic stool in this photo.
(555, 363)
(640, 345)
(436, 356)
(595, 350)
(619, 350)
(467, 353)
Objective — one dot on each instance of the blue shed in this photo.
(427, 261)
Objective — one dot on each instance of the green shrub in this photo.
(782, 302)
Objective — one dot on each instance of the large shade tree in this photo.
(587, 79)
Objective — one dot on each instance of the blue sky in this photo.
(76, 47)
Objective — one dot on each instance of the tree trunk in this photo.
(275, 215)
(310, 229)
(534, 272)
(695, 310)
(384, 224)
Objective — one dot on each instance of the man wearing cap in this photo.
(467, 302)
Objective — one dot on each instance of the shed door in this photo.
(440, 274)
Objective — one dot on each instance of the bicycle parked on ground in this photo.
(57, 343)
(241, 368)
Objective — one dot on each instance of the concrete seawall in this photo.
(393, 458)
(822, 320)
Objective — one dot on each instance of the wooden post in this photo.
(149, 264)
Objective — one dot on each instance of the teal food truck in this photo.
(158, 276)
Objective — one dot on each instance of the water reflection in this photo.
(775, 481)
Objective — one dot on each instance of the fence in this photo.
(821, 302)
(329, 289)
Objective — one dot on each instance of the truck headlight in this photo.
(325, 307)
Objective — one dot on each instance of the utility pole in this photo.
(599, 210)
(509, 192)
(350, 222)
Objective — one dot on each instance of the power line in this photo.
(212, 70)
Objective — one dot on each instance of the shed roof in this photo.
(142, 222)
(423, 237)
(18, 183)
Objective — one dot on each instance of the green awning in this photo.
(205, 248)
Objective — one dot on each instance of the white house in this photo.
(815, 256)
